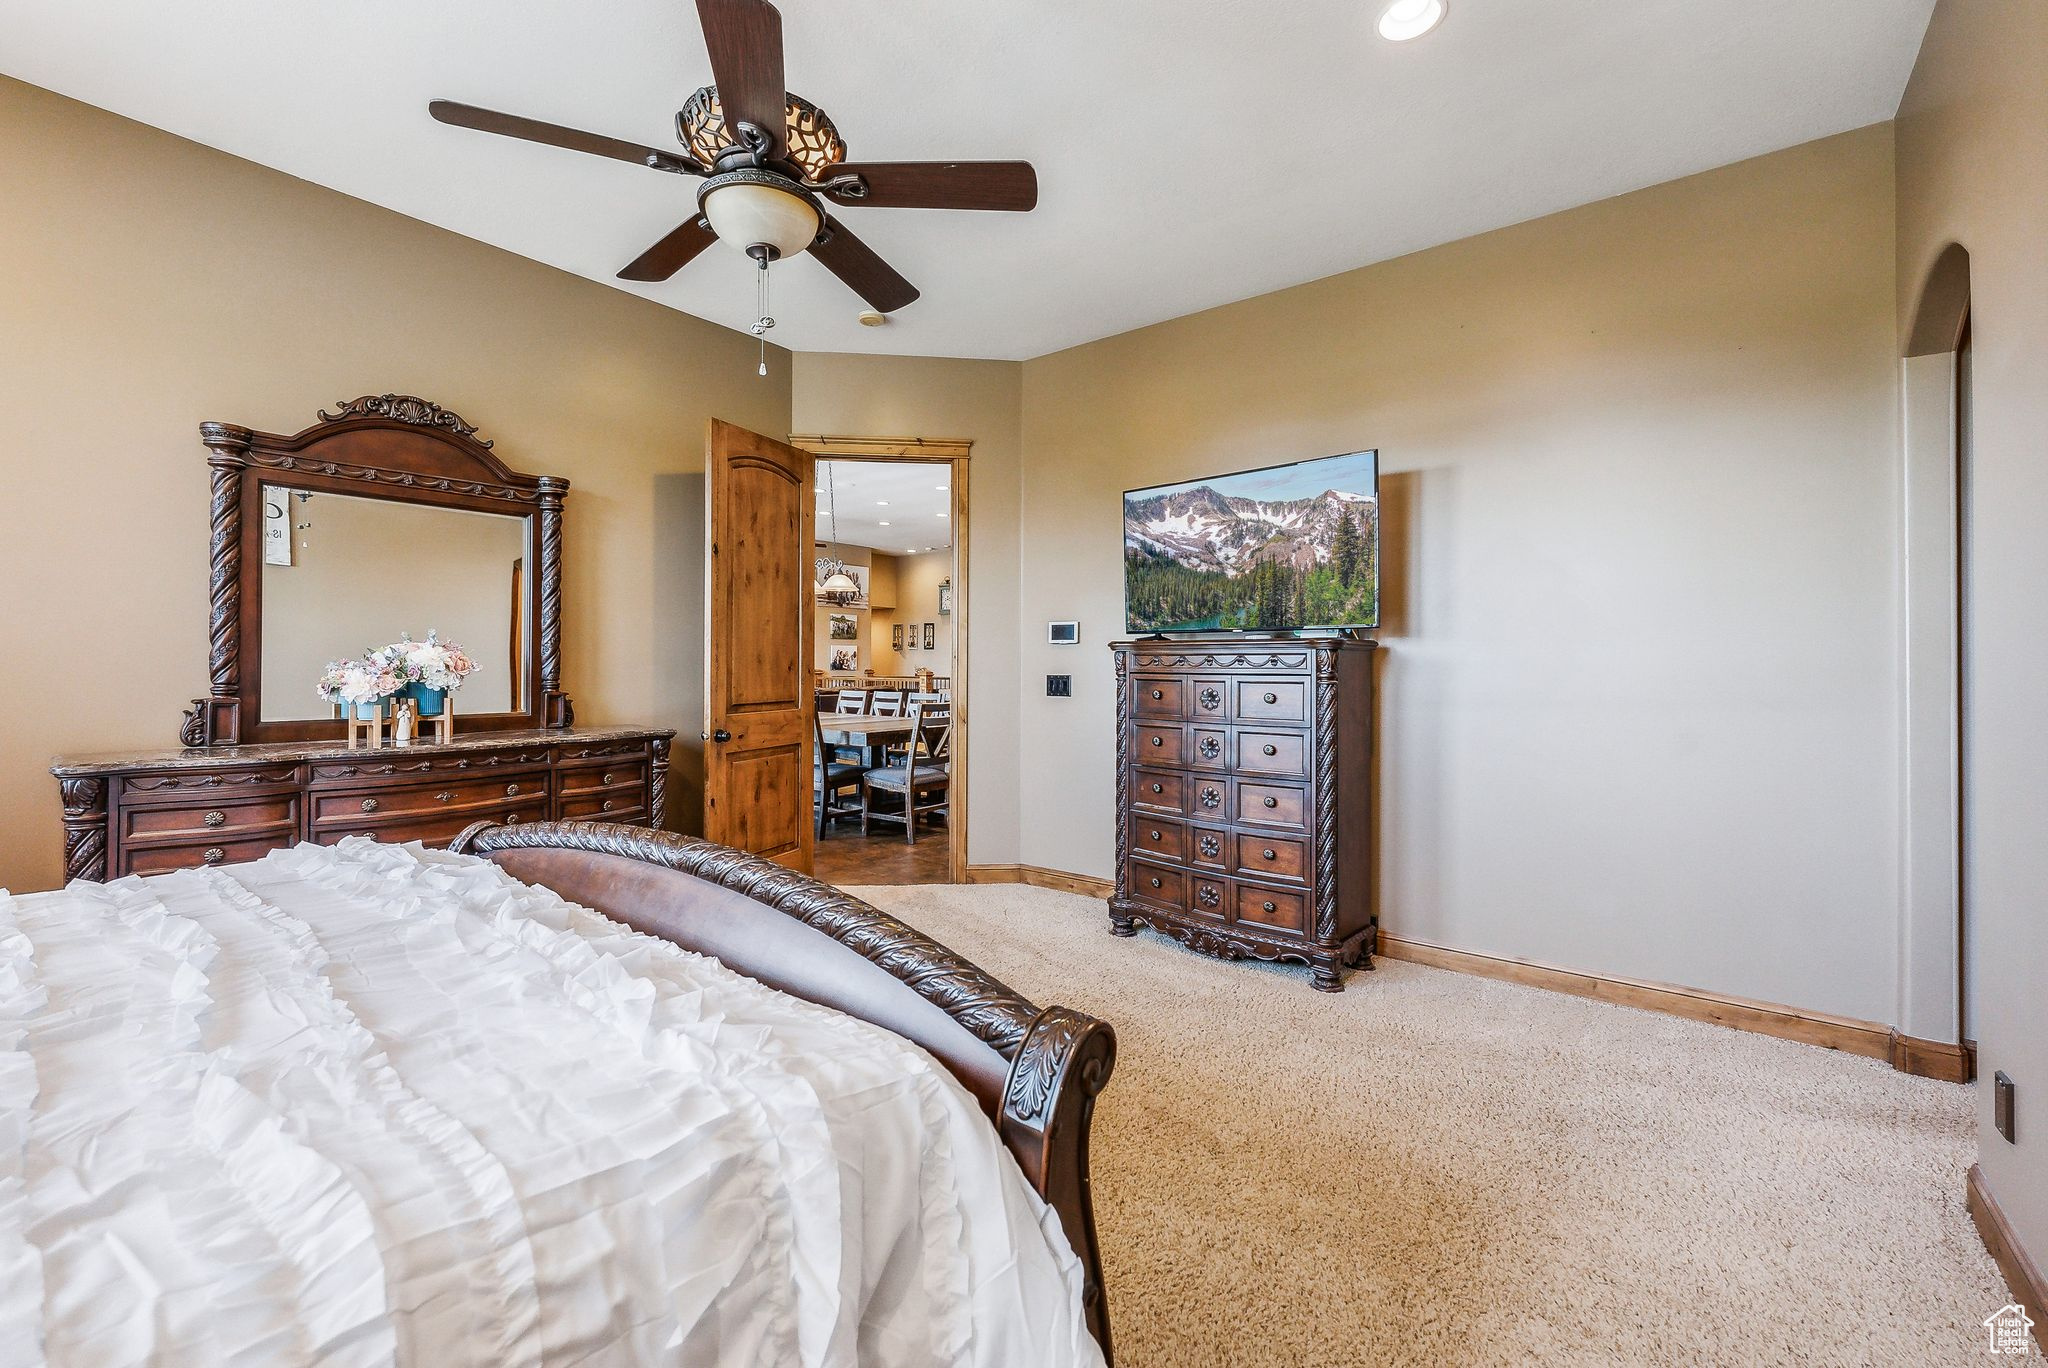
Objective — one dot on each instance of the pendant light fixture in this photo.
(833, 584)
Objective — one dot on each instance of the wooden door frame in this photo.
(952, 452)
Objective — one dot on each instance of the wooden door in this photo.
(757, 753)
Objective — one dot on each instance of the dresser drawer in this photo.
(429, 828)
(1209, 748)
(212, 821)
(1272, 700)
(606, 805)
(1207, 848)
(1153, 744)
(161, 859)
(1272, 857)
(1277, 909)
(357, 805)
(1208, 895)
(1272, 805)
(1158, 885)
(1155, 839)
(1158, 696)
(1159, 791)
(590, 778)
(1208, 794)
(1271, 752)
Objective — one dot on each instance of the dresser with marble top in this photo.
(149, 812)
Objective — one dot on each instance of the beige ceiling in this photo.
(1190, 152)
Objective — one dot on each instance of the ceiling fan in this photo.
(771, 162)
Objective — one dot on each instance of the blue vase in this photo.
(369, 712)
(431, 702)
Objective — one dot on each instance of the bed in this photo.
(374, 1103)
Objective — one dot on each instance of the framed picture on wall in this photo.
(896, 637)
(845, 627)
(845, 659)
(931, 636)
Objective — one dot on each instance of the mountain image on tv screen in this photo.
(1276, 549)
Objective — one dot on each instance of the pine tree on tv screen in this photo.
(1261, 550)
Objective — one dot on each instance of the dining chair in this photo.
(852, 701)
(886, 703)
(920, 779)
(832, 775)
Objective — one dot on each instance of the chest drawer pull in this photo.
(369, 804)
(1159, 788)
(1272, 698)
(444, 796)
(1267, 854)
(1270, 750)
(512, 790)
(1158, 694)
(1155, 835)
(605, 778)
(1158, 740)
(607, 806)
(1155, 883)
(1269, 907)
(215, 818)
(1272, 802)
(213, 855)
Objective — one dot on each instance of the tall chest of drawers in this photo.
(1244, 798)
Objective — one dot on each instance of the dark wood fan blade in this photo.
(854, 262)
(554, 135)
(1010, 185)
(744, 38)
(672, 253)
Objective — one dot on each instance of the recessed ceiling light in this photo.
(1406, 19)
(883, 523)
(881, 503)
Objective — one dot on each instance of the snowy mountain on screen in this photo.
(1205, 530)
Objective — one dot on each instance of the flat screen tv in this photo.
(1277, 549)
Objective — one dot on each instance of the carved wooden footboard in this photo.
(1035, 1071)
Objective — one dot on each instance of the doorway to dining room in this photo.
(889, 641)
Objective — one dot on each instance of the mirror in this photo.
(343, 574)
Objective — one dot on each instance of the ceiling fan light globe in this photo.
(748, 215)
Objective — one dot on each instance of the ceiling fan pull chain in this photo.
(762, 322)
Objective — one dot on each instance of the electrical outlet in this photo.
(2001, 1105)
(1059, 686)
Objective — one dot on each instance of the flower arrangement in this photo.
(357, 681)
(431, 664)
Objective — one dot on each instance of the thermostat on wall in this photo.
(1063, 633)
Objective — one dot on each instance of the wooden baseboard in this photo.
(1867, 1038)
(1037, 876)
(1934, 1058)
(2021, 1275)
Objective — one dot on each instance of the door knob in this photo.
(721, 735)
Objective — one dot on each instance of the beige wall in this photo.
(1638, 554)
(916, 603)
(1973, 168)
(153, 284)
(366, 571)
(885, 396)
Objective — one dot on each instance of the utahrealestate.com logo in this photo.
(2008, 1327)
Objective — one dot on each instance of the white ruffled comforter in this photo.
(376, 1104)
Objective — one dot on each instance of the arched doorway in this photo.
(1937, 940)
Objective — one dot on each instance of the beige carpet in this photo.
(1438, 1169)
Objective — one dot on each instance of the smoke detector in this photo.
(870, 319)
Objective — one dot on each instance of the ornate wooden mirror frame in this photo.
(387, 446)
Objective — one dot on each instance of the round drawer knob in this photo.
(1155, 835)
(370, 804)
(1158, 741)
(1155, 883)
(511, 790)
(444, 796)
(1269, 907)
(1270, 750)
(213, 855)
(1272, 698)
(1272, 802)
(215, 818)
(607, 806)
(1158, 694)
(515, 817)
(1159, 788)
(604, 778)
(1267, 854)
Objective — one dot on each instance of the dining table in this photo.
(870, 734)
